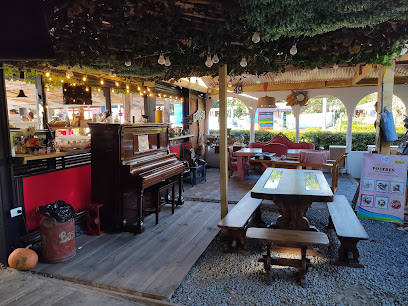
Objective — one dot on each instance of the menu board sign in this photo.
(383, 187)
(265, 119)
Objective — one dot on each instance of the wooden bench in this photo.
(244, 213)
(277, 237)
(348, 229)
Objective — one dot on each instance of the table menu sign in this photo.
(383, 187)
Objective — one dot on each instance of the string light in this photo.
(127, 90)
(144, 91)
(167, 62)
(102, 82)
(148, 89)
(62, 81)
(99, 89)
(293, 50)
(47, 74)
(128, 63)
(50, 79)
(74, 84)
(86, 89)
(84, 78)
(127, 86)
(48, 89)
(209, 61)
(243, 62)
(256, 38)
(141, 93)
(161, 59)
(215, 59)
(138, 88)
(69, 74)
(112, 90)
(117, 84)
(335, 66)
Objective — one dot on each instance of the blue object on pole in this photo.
(388, 127)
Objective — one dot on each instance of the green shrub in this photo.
(320, 138)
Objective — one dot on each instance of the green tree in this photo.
(239, 108)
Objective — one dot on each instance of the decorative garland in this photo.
(102, 35)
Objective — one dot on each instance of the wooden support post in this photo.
(384, 100)
(150, 107)
(10, 228)
(108, 101)
(127, 108)
(223, 140)
(296, 112)
(41, 98)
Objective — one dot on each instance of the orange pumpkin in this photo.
(23, 259)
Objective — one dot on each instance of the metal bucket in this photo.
(57, 240)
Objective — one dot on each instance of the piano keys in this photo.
(127, 159)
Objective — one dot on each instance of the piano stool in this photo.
(196, 174)
(156, 192)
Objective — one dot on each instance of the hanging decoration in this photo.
(297, 98)
(256, 38)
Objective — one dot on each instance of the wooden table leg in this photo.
(240, 168)
(293, 211)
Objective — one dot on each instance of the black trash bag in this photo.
(59, 210)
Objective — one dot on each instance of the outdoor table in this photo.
(251, 152)
(293, 191)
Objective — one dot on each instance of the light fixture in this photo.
(256, 38)
(48, 89)
(127, 86)
(138, 88)
(229, 84)
(84, 78)
(74, 84)
(167, 62)
(128, 63)
(62, 81)
(86, 89)
(99, 89)
(161, 59)
(69, 74)
(112, 90)
(141, 93)
(304, 71)
(50, 79)
(243, 62)
(112, 73)
(117, 84)
(293, 50)
(335, 66)
(127, 90)
(21, 94)
(102, 82)
(148, 89)
(47, 74)
(276, 77)
(215, 59)
(144, 91)
(208, 61)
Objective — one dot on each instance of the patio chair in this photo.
(277, 148)
(233, 163)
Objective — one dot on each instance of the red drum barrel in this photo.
(57, 240)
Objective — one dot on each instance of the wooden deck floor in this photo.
(152, 264)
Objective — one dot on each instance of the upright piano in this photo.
(126, 159)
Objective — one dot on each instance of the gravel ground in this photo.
(221, 278)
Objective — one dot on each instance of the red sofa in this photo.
(282, 139)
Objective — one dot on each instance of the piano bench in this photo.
(156, 192)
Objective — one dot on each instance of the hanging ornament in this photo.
(276, 77)
(335, 66)
(256, 38)
(304, 71)
(128, 63)
(69, 74)
(215, 59)
(208, 62)
(161, 59)
(167, 62)
(293, 50)
(243, 62)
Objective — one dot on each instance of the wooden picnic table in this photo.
(293, 191)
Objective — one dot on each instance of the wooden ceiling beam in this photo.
(361, 73)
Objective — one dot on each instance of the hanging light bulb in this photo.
(293, 50)
(276, 77)
(117, 84)
(243, 62)
(99, 89)
(256, 38)
(303, 71)
(215, 59)
(62, 81)
(258, 81)
(69, 74)
(86, 89)
(161, 59)
(208, 62)
(47, 74)
(138, 88)
(84, 78)
(148, 89)
(102, 82)
(335, 66)
(229, 84)
(112, 73)
(167, 62)
(127, 86)
(113, 90)
(128, 63)
(127, 90)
